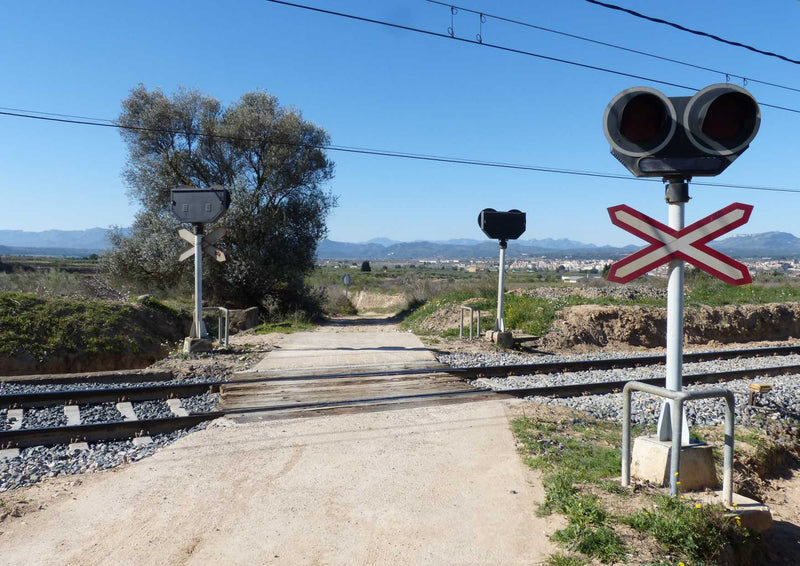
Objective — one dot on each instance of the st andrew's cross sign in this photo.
(688, 244)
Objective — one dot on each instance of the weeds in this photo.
(702, 533)
(297, 322)
(577, 457)
(40, 328)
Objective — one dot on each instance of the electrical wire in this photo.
(504, 48)
(481, 43)
(695, 32)
(613, 46)
(102, 122)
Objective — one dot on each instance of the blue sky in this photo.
(380, 88)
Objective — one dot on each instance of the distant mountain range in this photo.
(91, 239)
(768, 244)
(95, 240)
(461, 249)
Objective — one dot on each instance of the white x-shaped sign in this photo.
(688, 244)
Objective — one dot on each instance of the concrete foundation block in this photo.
(752, 514)
(502, 339)
(194, 345)
(650, 461)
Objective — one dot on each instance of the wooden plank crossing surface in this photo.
(329, 362)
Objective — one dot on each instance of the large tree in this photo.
(271, 160)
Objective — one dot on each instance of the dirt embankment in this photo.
(645, 327)
(42, 335)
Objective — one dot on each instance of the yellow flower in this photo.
(698, 505)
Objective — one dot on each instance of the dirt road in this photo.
(434, 485)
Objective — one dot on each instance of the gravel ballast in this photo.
(781, 402)
(39, 462)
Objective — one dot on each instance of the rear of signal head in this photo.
(656, 136)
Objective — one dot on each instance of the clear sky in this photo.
(375, 87)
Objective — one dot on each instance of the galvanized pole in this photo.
(677, 195)
(198, 329)
(499, 325)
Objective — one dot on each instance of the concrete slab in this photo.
(9, 453)
(125, 408)
(77, 446)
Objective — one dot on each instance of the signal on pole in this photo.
(699, 136)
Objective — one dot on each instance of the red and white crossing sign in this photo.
(688, 244)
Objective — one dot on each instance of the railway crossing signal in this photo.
(679, 138)
(199, 207)
(501, 226)
(688, 244)
(699, 136)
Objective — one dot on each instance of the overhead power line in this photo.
(504, 48)
(695, 32)
(106, 123)
(727, 74)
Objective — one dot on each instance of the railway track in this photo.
(126, 429)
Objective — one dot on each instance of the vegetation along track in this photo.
(25, 437)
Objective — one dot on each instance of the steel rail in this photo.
(129, 429)
(476, 372)
(177, 390)
(120, 430)
(29, 400)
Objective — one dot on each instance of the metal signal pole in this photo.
(499, 324)
(677, 195)
(198, 328)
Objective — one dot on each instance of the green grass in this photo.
(698, 532)
(702, 289)
(42, 327)
(297, 323)
(564, 559)
(577, 458)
